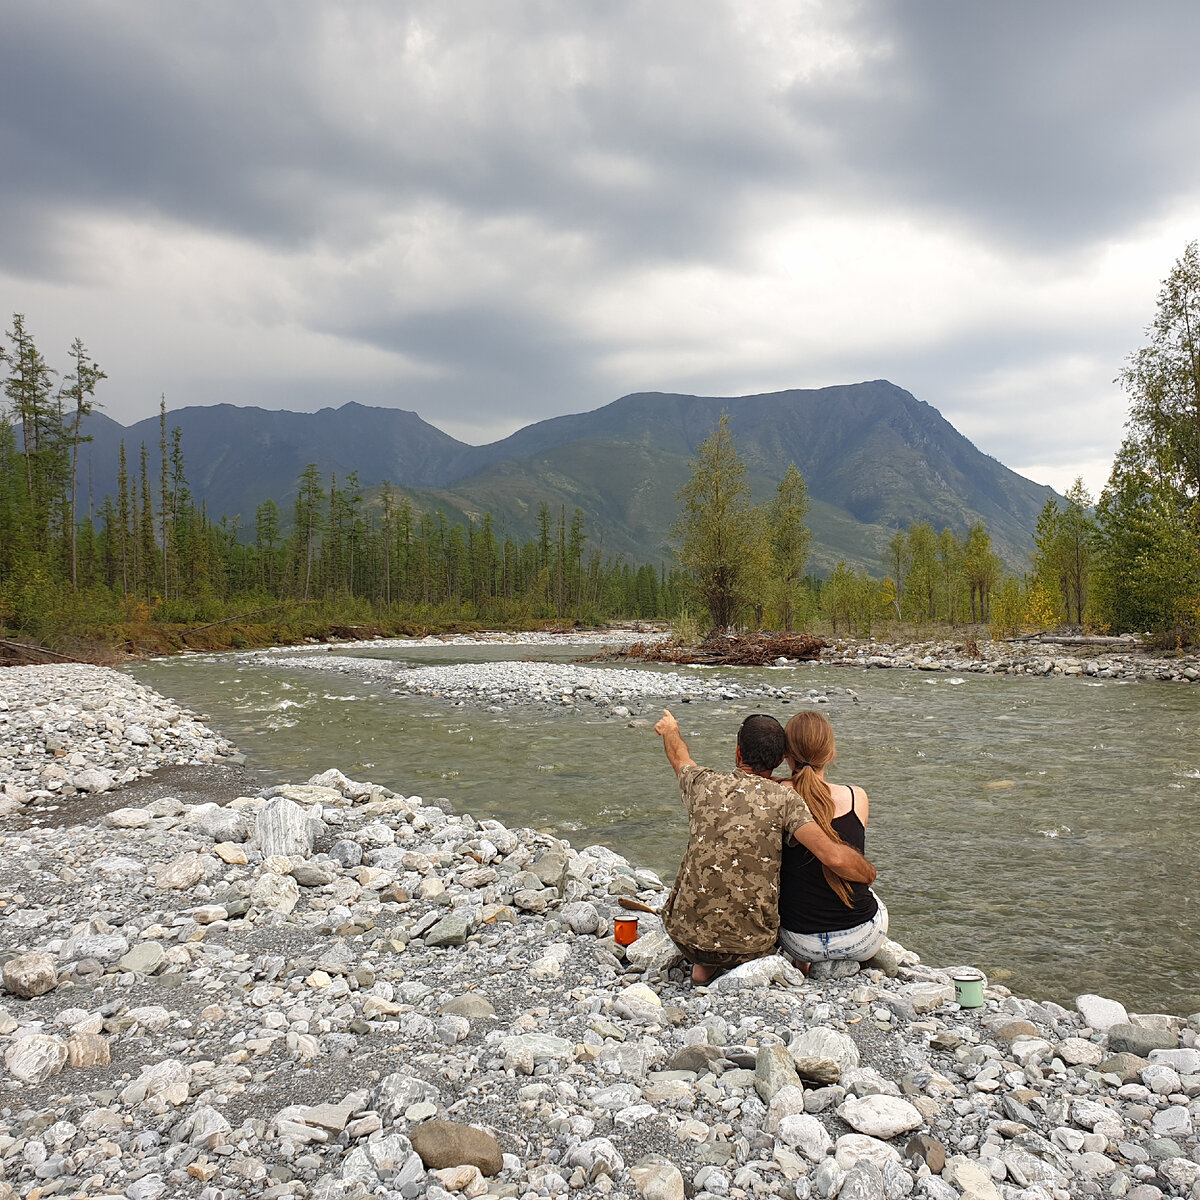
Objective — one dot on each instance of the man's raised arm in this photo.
(673, 743)
(843, 860)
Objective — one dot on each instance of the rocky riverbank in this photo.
(330, 990)
(1017, 657)
(75, 728)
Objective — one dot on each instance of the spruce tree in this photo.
(80, 387)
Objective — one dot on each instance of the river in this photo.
(1039, 828)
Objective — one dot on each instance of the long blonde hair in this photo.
(811, 746)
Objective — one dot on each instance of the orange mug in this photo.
(625, 930)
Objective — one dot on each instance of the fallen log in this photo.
(30, 651)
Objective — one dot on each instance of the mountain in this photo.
(235, 458)
(875, 459)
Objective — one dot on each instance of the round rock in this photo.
(820, 1042)
(451, 1144)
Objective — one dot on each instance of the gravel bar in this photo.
(499, 685)
(74, 728)
(1014, 657)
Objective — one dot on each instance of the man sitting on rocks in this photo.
(724, 907)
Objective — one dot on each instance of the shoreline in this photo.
(286, 995)
(618, 689)
(283, 995)
(149, 642)
(1009, 656)
(1013, 657)
(955, 650)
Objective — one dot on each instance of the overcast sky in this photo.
(492, 213)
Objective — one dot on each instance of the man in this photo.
(724, 907)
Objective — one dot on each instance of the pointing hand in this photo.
(666, 723)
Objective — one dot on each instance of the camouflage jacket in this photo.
(726, 895)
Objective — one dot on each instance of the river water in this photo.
(1039, 828)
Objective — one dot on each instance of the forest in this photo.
(147, 568)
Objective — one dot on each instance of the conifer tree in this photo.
(717, 527)
(164, 499)
(576, 537)
(790, 539)
(147, 549)
(124, 520)
(80, 387)
(266, 535)
(13, 541)
(29, 388)
(308, 524)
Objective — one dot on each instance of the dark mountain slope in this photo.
(871, 450)
(238, 457)
(875, 459)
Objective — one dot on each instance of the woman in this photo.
(822, 916)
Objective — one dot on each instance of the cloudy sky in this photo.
(493, 212)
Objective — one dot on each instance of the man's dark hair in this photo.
(761, 741)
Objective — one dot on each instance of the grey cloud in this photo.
(489, 368)
(298, 122)
(199, 114)
(487, 340)
(254, 118)
(1047, 124)
(646, 132)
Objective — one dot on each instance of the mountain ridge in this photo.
(875, 459)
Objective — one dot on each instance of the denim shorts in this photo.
(859, 942)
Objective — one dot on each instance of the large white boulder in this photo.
(880, 1116)
(1101, 1013)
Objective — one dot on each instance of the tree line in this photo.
(149, 549)
(1128, 561)
(746, 563)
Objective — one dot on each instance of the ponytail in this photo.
(810, 745)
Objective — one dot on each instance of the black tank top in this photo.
(807, 904)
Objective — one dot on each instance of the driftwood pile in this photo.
(721, 650)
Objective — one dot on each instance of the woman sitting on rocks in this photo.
(823, 917)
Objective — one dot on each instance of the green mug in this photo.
(968, 988)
